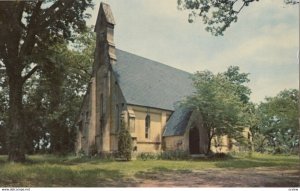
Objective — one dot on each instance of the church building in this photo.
(140, 92)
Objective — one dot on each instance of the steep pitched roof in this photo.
(178, 122)
(148, 83)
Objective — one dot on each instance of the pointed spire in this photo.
(105, 29)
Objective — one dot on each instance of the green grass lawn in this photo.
(49, 170)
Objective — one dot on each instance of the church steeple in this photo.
(105, 36)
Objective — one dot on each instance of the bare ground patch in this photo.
(254, 177)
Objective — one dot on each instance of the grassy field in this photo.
(48, 170)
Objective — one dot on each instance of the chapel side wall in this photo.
(220, 144)
(92, 116)
(227, 144)
(236, 147)
(79, 144)
(81, 138)
(173, 143)
(158, 120)
(117, 106)
(86, 121)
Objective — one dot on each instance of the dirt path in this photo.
(255, 177)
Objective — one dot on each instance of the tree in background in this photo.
(27, 29)
(220, 105)
(124, 143)
(54, 96)
(278, 123)
(238, 80)
(218, 15)
(3, 113)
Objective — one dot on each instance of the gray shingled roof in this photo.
(178, 122)
(148, 83)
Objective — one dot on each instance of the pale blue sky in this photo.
(264, 42)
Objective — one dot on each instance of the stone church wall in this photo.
(158, 120)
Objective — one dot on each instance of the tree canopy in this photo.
(52, 98)
(218, 100)
(217, 15)
(277, 129)
(27, 30)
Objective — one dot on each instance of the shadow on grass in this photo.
(161, 173)
(54, 171)
(60, 176)
(63, 160)
(3, 159)
(257, 162)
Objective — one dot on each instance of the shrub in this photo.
(81, 153)
(166, 155)
(174, 155)
(108, 155)
(124, 143)
(147, 156)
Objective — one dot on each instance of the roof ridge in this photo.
(154, 61)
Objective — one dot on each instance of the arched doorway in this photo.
(194, 141)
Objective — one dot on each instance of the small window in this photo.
(147, 126)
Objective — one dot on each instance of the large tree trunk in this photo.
(55, 126)
(16, 149)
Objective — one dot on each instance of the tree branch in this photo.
(57, 9)
(31, 31)
(240, 8)
(30, 73)
(1, 64)
(3, 52)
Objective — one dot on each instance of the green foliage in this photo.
(174, 155)
(220, 100)
(217, 15)
(3, 117)
(28, 30)
(165, 155)
(54, 96)
(124, 143)
(291, 2)
(238, 80)
(147, 156)
(278, 123)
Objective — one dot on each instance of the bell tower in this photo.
(104, 29)
(102, 71)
